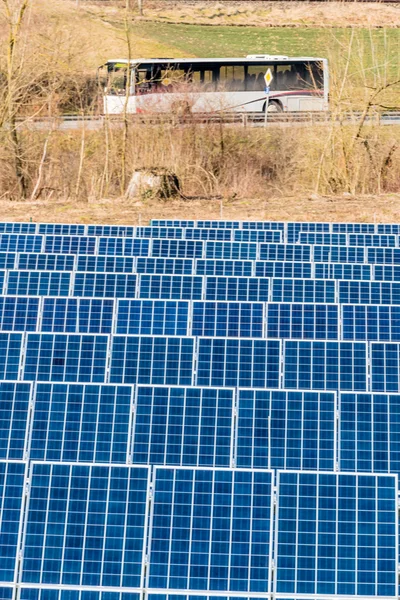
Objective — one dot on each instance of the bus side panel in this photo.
(115, 105)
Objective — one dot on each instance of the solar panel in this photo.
(18, 228)
(172, 223)
(77, 315)
(325, 366)
(240, 289)
(285, 252)
(349, 239)
(85, 525)
(387, 228)
(183, 426)
(198, 233)
(170, 287)
(152, 317)
(111, 230)
(61, 229)
(226, 268)
(122, 246)
(10, 355)
(371, 323)
(369, 292)
(238, 363)
(29, 593)
(385, 367)
(303, 290)
(369, 438)
(339, 254)
(336, 534)
(303, 321)
(256, 235)
(12, 483)
(70, 244)
(383, 256)
(7, 593)
(230, 250)
(105, 285)
(7, 260)
(171, 233)
(343, 271)
(153, 360)
(65, 358)
(323, 239)
(300, 270)
(81, 423)
(165, 266)
(223, 541)
(45, 262)
(376, 240)
(286, 430)
(38, 283)
(20, 242)
(357, 228)
(177, 249)
(294, 230)
(228, 319)
(19, 313)
(219, 224)
(15, 401)
(106, 264)
(386, 272)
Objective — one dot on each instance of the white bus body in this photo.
(216, 85)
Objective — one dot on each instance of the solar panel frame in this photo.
(15, 416)
(258, 574)
(111, 230)
(370, 322)
(239, 289)
(228, 319)
(368, 292)
(77, 315)
(152, 317)
(268, 236)
(165, 266)
(183, 426)
(224, 267)
(70, 244)
(177, 248)
(65, 593)
(10, 355)
(16, 227)
(311, 291)
(339, 254)
(61, 229)
(45, 262)
(38, 283)
(383, 256)
(349, 271)
(286, 252)
(123, 246)
(14, 242)
(170, 287)
(303, 321)
(19, 313)
(284, 270)
(105, 285)
(105, 264)
(8, 260)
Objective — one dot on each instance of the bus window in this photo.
(232, 78)
(116, 82)
(204, 79)
(255, 78)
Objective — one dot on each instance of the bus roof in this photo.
(252, 58)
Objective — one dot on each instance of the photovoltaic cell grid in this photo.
(12, 484)
(71, 594)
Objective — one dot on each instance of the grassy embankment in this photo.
(234, 164)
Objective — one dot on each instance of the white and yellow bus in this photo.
(204, 85)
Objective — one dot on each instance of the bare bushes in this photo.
(208, 159)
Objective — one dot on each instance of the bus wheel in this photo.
(273, 107)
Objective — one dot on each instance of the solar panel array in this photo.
(199, 410)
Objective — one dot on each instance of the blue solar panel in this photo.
(325, 366)
(336, 534)
(387, 228)
(70, 244)
(219, 224)
(386, 272)
(177, 249)
(38, 283)
(121, 246)
(377, 241)
(170, 233)
(198, 233)
(356, 228)
(152, 317)
(106, 264)
(228, 319)
(230, 250)
(183, 426)
(383, 256)
(46, 262)
(369, 292)
(15, 399)
(172, 223)
(301, 270)
(371, 323)
(324, 239)
(75, 594)
(294, 230)
(170, 287)
(81, 423)
(165, 266)
(7, 593)
(85, 525)
(240, 289)
(61, 229)
(111, 230)
(385, 367)
(349, 239)
(339, 254)
(369, 433)
(223, 540)
(77, 315)
(303, 321)
(154, 360)
(226, 268)
(238, 363)
(303, 290)
(285, 252)
(18, 228)
(343, 271)
(19, 313)
(65, 358)
(286, 430)
(12, 482)
(105, 285)
(10, 355)
(14, 242)
(7, 260)
(256, 235)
